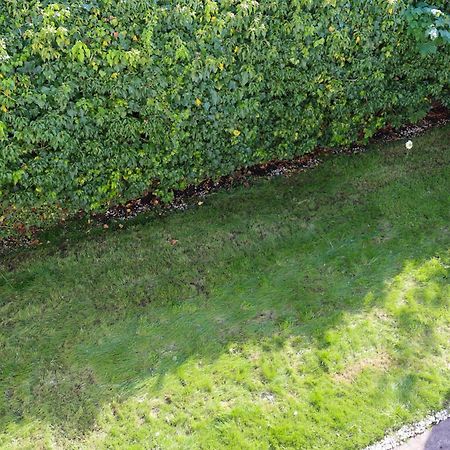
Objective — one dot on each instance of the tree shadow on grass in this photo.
(288, 260)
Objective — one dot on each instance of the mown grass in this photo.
(308, 311)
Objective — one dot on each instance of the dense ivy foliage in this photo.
(103, 100)
(429, 26)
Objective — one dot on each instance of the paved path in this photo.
(436, 438)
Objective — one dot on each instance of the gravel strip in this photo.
(409, 431)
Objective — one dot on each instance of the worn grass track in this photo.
(308, 311)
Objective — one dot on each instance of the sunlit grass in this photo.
(301, 312)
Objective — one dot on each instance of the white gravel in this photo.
(408, 431)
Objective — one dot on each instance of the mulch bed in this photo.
(193, 195)
(438, 116)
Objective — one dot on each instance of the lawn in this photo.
(309, 311)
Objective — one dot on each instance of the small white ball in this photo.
(409, 145)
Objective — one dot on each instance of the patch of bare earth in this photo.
(264, 316)
(380, 361)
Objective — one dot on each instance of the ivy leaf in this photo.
(427, 48)
(80, 51)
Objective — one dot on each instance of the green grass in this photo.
(308, 311)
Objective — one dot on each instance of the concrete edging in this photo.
(406, 432)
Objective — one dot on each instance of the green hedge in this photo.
(101, 101)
